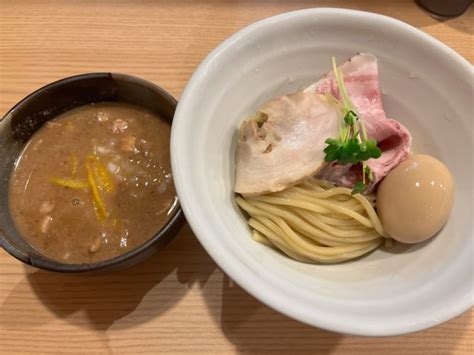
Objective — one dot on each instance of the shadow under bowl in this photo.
(26, 117)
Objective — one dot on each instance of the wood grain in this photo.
(178, 301)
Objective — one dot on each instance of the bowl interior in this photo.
(425, 85)
(20, 123)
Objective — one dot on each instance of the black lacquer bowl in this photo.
(26, 117)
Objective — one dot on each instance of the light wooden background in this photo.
(178, 301)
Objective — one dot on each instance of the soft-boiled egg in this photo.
(415, 199)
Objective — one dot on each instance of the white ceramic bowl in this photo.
(425, 85)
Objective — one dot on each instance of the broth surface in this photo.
(94, 183)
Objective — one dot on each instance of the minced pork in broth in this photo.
(94, 183)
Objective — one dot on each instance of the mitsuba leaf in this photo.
(350, 118)
(358, 188)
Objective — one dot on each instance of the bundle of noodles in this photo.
(315, 222)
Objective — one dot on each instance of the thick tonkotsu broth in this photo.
(93, 183)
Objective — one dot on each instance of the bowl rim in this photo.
(251, 283)
(174, 219)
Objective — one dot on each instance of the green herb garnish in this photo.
(358, 188)
(352, 146)
(350, 118)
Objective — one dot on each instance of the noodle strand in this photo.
(315, 222)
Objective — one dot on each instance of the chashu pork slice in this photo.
(361, 78)
(284, 144)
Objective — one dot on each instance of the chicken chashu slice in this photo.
(284, 143)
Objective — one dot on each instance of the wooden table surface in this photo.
(177, 301)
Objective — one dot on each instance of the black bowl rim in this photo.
(175, 218)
